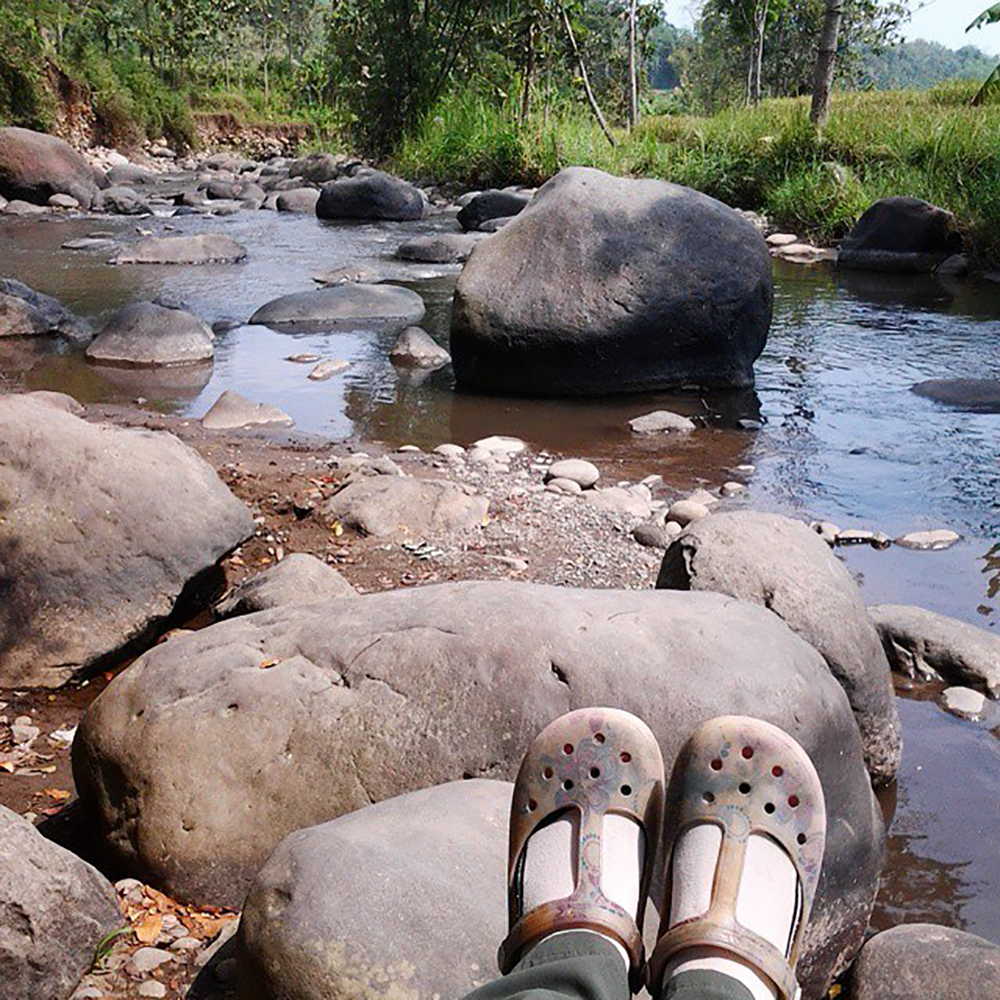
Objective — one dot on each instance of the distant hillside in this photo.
(919, 64)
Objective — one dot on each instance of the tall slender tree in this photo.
(826, 61)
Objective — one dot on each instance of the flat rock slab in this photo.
(926, 645)
(305, 714)
(206, 249)
(147, 335)
(231, 410)
(398, 506)
(781, 564)
(103, 529)
(350, 304)
(661, 422)
(929, 541)
(975, 395)
(54, 910)
(299, 578)
(442, 248)
(924, 960)
(414, 905)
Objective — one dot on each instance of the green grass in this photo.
(930, 145)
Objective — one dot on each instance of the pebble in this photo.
(965, 703)
(303, 359)
(782, 239)
(652, 535)
(186, 944)
(409, 449)
(584, 474)
(673, 529)
(450, 450)
(733, 489)
(929, 541)
(704, 498)
(661, 422)
(745, 470)
(88, 993)
(23, 732)
(479, 455)
(499, 443)
(145, 960)
(855, 536)
(151, 988)
(827, 530)
(567, 487)
(686, 512)
(327, 369)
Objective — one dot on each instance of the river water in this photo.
(841, 437)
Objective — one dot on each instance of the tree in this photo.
(989, 16)
(826, 61)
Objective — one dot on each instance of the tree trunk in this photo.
(826, 61)
(760, 25)
(529, 72)
(633, 70)
(592, 100)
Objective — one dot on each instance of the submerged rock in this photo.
(925, 645)
(606, 284)
(54, 911)
(351, 304)
(34, 166)
(661, 422)
(373, 195)
(104, 528)
(782, 565)
(209, 248)
(440, 849)
(416, 347)
(305, 714)
(975, 395)
(903, 235)
(148, 335)
(231, 410)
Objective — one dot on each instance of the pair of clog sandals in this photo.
(741, 775)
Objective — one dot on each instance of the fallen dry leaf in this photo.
(58, 794)
(148, 929)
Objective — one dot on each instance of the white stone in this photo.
(704, 498)
(929, 541)
(672, 528)
(327, 369)
(686, 512)
(828, 531)
(732, 489)
(501, 444)
(661, 422)
(151, 988)
(782, 239)
(231, 410)
(147, 959)
(450, 450)
(965, 702)
(584, 474)
(568, 487)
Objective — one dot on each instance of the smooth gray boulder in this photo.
(147, 335)
(54, 910)
(301, 200)
(34, 166)
(418, 887)
(231, 411)
(370, 196)
(397, 505)
(928, 646)
(304, 714)
(58, 318)
(346, 274)
(441, 248)
(417, 348)
(299, 578)
(925, 960)
(901, 235)
(209, 248)
(317, 168)
(491, 205)
(18, 318)
(786, 567)
(606, 284)
(351, 304)
(122, 200)
(974, 395)
(102, 530)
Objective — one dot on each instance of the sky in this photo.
(942, 21)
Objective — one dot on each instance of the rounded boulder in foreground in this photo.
(146, 335)
(418, 891)
(606, 284)
(351, 305)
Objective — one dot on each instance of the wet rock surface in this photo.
(207, 248)
(35, 166)
(147, 335)
(232, 410)
(349, 303)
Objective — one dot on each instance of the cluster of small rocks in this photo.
(922, 541)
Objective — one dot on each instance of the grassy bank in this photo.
(929, 144)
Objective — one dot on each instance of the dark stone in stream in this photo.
(975, 395)
(786, 567)
(901, 235)
(35, 166)
(54, 911)
(304, 714)
(103, 530)
(925, 960)
(121, 201)
(606, 284)
(317, 168)
(372, 195)
(353, 304)
(441, 248)
(145, 334)
(491, 205)
(58, 318)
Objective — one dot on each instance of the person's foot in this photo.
(585, 817)
(746, 829)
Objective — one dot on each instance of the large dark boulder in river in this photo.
(54, 911)
(35, 166)
(925, 960)
(147, 335)
(208, 248)
(491, 205)
(371, 195)
(102, 530)
(606, 284)
(902, 235)
(312, 930)
(304, 714)
(974, 395)
(351, 305)
(786, 567)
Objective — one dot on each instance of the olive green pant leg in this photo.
(584, 966)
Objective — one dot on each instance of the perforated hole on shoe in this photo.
(626, 789)
(716, 764)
